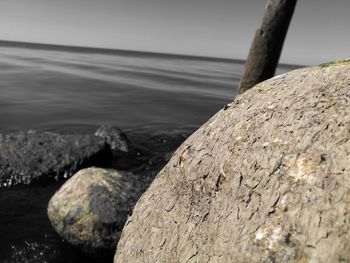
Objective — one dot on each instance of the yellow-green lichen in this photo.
(6, 146)
(335, 63)
(3, 145)
(84, 228)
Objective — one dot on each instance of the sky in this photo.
(319, 31)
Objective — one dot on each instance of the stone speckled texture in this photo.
(266, 179)
(90, 209)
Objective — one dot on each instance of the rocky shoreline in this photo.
(137, 160)
(264, 180)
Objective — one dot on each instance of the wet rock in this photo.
(114, 137)
(33, 156)
(90, 209)
(266, 179)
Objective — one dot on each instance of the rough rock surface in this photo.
(90, 209)
(266, 179)
(39, 156)
(114, 137)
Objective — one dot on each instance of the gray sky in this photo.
(318, 33)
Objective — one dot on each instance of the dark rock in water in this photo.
(90, 209)
(39, 156)
(114, 137)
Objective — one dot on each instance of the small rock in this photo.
(114, 137)
(90, 209)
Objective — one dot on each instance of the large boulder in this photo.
(266, 179)
(90, 209)
(40, 156)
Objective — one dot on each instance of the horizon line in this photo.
(102, 50)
